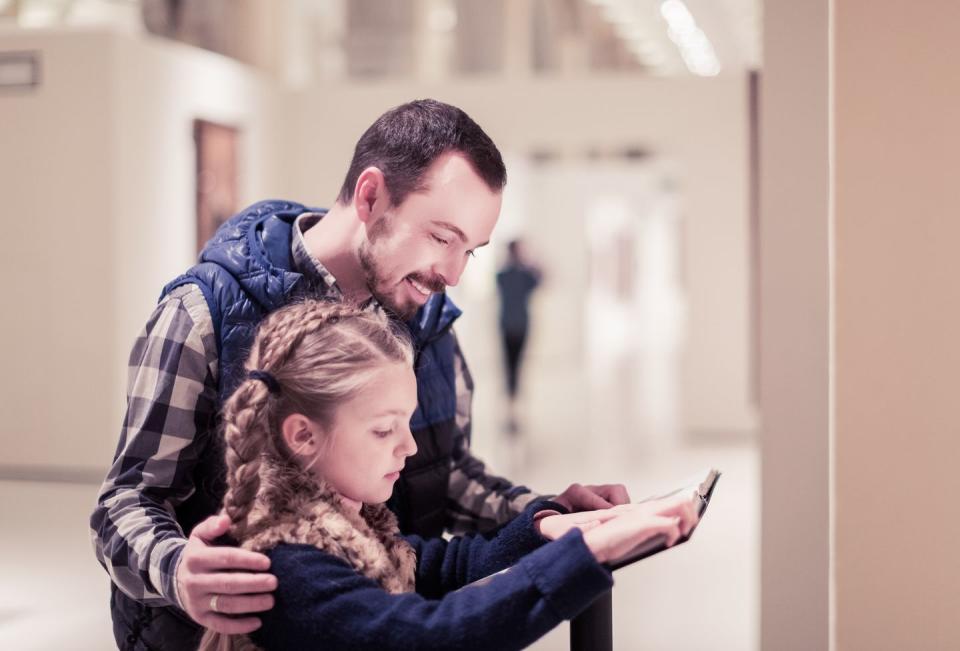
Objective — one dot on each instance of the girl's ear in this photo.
(301, 435)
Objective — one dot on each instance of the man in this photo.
(515, 282)
(423, 191)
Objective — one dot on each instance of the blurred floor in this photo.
(575, 426)
(53, 594)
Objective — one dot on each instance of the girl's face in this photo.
(370, 439)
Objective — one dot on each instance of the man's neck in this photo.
(334, 241)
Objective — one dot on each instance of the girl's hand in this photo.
(552, 527)
(676, 506)
(680, 505)
(634, 524)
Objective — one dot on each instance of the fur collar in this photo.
(310, 513)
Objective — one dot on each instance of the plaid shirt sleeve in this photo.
(171, 403)
(477, 501)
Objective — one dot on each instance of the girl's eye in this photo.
(440, 240)
(382, 434)
(472, 254)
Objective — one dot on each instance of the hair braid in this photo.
(247, 414)
(282, 335)
(246, 433)
(252, 416)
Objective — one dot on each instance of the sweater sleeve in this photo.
(445, 565)
(323, 602)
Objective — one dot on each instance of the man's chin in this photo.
(403, 311)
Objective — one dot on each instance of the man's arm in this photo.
(477, 501)
(171, 399)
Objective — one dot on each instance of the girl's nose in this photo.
(408, 447)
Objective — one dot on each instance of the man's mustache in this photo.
(434, 283)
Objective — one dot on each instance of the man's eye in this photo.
(440, 240)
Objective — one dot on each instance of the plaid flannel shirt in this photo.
(171, 410)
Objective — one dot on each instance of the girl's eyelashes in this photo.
(382, 433)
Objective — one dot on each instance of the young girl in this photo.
(316, 436)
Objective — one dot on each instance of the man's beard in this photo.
(379, 288)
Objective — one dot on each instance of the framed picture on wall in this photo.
(216, 146)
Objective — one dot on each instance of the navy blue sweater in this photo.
(322, 602)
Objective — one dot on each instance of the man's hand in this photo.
(212, 584)
(591, 498)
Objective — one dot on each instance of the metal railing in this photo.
(592, 630)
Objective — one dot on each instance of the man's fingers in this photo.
(584, 499)
(230, 625)
(227, 558)
(613, 493)
(242, 604)
(211, 528)
(233, 583)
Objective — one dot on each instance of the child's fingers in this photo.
(670, 527)
(683, 507)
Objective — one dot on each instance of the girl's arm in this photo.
(444, 565)
(323, 602)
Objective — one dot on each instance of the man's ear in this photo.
(301, 435)
(370, 196)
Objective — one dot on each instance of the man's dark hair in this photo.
(405, 141)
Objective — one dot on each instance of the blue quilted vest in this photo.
(245, 272)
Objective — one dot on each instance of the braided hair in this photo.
(307, 358)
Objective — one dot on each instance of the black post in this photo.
(592, 630)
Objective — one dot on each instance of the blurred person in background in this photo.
(516, 282)
(422, 192)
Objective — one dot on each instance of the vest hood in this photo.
(254, 248)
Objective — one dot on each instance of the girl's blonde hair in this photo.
(320, 354)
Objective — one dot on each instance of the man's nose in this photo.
(451, 270)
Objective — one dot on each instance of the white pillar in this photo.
(794, 320)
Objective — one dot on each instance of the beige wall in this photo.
(897, 319)
(55, 170)
(98, 190)
(869, 411)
